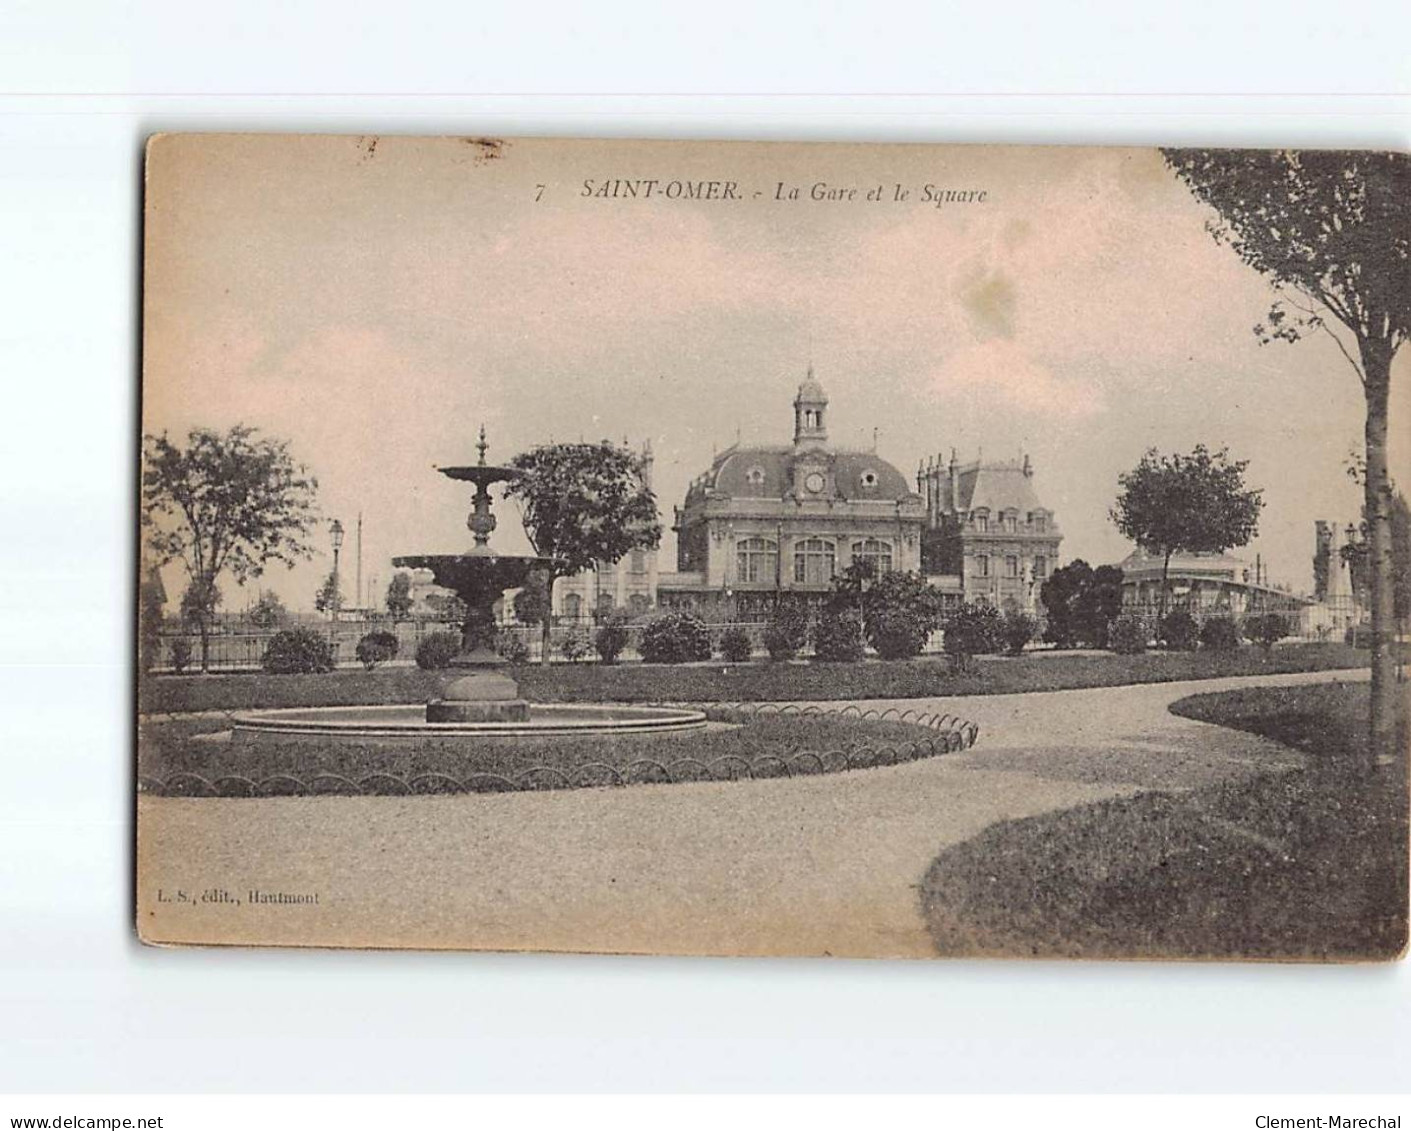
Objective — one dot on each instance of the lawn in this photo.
(751, 746)
(763, 681)
(1308, 864)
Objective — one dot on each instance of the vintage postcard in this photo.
(773, 549)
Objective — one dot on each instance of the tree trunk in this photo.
(1376, 366)
(547, 624)
(1165, 589)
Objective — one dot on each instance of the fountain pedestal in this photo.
(481, 691)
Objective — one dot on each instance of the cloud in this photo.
(1004, 371)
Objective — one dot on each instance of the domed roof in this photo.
(810, 389)
(767, 473)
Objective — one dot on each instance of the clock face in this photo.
(814, 482)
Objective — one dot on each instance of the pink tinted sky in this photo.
(375, 303)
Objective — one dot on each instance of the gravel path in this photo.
(823, 865)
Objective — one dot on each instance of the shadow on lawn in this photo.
(1291, 864)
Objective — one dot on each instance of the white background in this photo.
(83, 1007)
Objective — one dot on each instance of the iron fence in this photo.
(950, 734)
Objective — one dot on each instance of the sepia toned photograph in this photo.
(773, 549)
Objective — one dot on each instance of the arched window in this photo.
(1011, 521)
(1039, 521)
(982, 520)
(1040, 568)
(815, 561)
(757, 559)
(573, 606)
(876, 551)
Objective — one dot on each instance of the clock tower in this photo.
(810, 406)
(812, 463)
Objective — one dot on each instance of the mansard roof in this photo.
(996, 487)
(730, 474)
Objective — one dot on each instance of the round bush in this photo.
(1018, 629)
(376, 648)
(1179, 632)
(736, 646)
(1127, 636)
(437, 650)
(675, 639)
(610, 640)
(1266, 629)
(838, 636)
(574, 646)
(1219, 634)
(972, 630)
(298, 650)
(787, 630)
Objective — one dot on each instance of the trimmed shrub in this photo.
(675, 638)
(376, 648)
(972, 630)
(610, 640)
(437, 650)
(1219, 634)
(574, 646)
(1127, 636)
(787, 630)
(1265, 629)
(897, 634)
(180, 654)
(736, 646)
(901, 612)
(838, 636)
(513, 648)
(1179, 631)
(297, 650)
(1018, 629)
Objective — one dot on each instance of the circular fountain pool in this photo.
(408, 723)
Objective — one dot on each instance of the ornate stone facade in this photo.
(768, 520)
(987, 536)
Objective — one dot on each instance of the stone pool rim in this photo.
(407, 721)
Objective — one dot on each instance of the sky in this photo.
(375, 300)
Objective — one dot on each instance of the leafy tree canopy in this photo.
(268, 611)
(329, 598)
(399, 595)
(584, 503)
(1195, 503)
(1334, 226)
(231, 501)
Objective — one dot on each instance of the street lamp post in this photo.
(335, 532)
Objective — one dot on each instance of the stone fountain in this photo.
(481, 699)
(479, 577)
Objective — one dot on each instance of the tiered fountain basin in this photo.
(408, 725)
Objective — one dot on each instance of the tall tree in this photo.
(329, 598)
(399, 596)
(151, 601)
(1195, 503)
(1332, 233)
(231, 503)
(583, 504)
